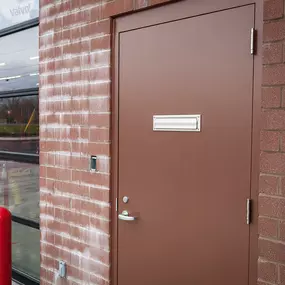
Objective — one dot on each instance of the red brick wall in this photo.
(272, 164)
(75, 119)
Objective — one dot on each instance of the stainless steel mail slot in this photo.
(177, 123)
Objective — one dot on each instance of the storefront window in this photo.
(19, 124)
(17, 11)
(26, 248)
(19, 133)
(19, 60)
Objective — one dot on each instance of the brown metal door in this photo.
(188, 190)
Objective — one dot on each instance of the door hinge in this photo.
(116, 204)
(252, 41)
(248, 211)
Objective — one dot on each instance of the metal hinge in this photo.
(252, 41)
(248, 211)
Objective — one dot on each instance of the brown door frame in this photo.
(190, 9)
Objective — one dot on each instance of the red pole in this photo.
(5, 247)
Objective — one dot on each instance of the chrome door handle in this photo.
(125, 216)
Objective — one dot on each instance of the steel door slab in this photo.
(187, 189)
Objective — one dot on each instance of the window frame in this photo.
(18, 275)
(17, 156)
(19, 27)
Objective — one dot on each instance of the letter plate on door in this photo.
(177, 123)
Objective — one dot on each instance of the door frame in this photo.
(179, 10)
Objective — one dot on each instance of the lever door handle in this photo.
(125, 216)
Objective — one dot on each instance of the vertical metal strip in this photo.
(248, 211)
(252, 41)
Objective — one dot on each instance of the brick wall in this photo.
(272, 164)
(75, 57)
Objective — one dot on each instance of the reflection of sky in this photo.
(16, 51)
(9, 18)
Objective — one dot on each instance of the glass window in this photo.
(19, 181)
(19, 66)
(19, 124)
(25, 249)
(19, 139)
(13, 12)
(19, 188)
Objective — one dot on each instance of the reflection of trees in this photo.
(18, 110)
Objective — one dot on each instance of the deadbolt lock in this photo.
(125, 199)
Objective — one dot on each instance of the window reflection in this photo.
(19, 188)
(19, 130)
(26, 249)
(19, 124)
(16, 11)
(19, 60)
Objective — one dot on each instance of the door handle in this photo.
(125, 216)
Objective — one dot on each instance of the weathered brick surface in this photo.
(273, 9)
(75, 59)
(271, 97)
(267, 271)
(269, 184)
(272, 53)
(272, 159)
(270, 140)
(268, 227)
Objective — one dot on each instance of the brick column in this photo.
(75, 59)
(272, 163)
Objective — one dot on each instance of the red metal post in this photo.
(5, 247)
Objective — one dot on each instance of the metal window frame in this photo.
(23, 278)
(18, 275)
(19, 93)
(20, 157)
(19, 27)
(26, 222)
